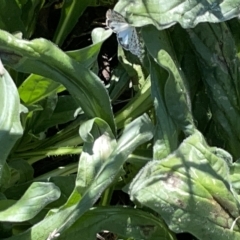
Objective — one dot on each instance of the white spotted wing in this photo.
(126, 34)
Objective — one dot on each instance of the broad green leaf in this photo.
(218, 62)
(88, 55)
(41, 57)
(166, 130)
(99, 144)
(163, 14)
(135, 134)
(123, 221)
(36, 87)
(31, 203)
(173, 90)
(165, 138)
(10, 125)
(64, 183)
(191, 190)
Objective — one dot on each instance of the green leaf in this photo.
(165, 138)
(31, 203)
(176, 96)
(191, 190)
(10, 125)
(135, 134)
(41, 57)
(36, 88)
(128, 223)
(99, 143)
(215, 46)
(166, 130)
(163, 14)
(88, 55)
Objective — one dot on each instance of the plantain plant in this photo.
(171, 148)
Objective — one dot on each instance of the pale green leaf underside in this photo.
(164, 14)
(31, 203)
(190, 189)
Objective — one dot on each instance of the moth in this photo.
(126, 34)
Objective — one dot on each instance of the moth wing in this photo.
(129, 40)
(115, 21)
(115, 16)
(124, 37)
(117, 27)
(134, 44)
